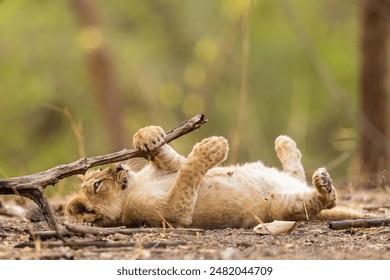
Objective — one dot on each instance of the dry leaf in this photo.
(275, 228)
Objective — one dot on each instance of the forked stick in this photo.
(32, 186)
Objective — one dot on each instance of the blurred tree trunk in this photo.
(102, 72)
(374, 90)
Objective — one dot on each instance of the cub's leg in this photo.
(323, 183)
(307, 204)
(179, 203)
(164, 157)
(290, 157)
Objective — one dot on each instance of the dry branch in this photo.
(44, 235)
(32, 186)
(101, 244)
(80, 230)
(127, 231)
(359, 223)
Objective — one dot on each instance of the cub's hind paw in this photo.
(211, 151)
(149, 138)
(324, 185)
(322, 180)
(290, 157)
(286, 148)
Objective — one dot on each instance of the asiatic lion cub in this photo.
(195, 192)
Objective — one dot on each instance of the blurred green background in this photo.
(256, 69)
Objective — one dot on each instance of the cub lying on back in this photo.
(195, 192)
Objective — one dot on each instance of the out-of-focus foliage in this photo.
(175, 59)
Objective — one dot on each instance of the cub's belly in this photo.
(227, 206)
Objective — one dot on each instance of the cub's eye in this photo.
(124, 184)
(96, 185)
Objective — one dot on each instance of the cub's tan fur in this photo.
(195, 192)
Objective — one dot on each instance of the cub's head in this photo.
(101, 195)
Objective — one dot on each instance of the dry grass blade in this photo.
(244, 91)
(304, 207)
(77, 128)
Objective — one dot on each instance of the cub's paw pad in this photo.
(212, 150)
(149, 138)
(286, 147)
(324, 185)
(322, 180)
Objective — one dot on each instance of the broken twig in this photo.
(44, 235)
(127, 231)
(359, 223)
(102, 244)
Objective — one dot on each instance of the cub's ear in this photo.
(115, 168)
(81, 177)
(77, 207)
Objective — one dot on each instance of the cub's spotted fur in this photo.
(196, 192)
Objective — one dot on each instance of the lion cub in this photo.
(195, 192)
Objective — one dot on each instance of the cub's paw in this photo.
(290, 157)
(286, 149)
(149, 138)
(211, 151)
(324, 185)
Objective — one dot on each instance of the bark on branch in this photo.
(32, 186)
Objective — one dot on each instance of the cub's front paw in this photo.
(149, 138)
(211, 151)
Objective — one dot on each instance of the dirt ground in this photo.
(310, 240)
